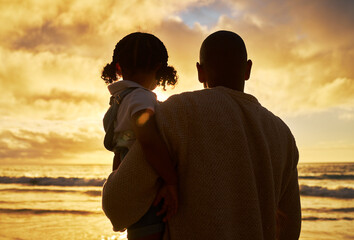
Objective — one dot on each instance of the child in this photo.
(141, 59)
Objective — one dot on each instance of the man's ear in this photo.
(201, 75)
(248, 70)
(118, 70)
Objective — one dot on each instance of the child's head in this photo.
(140, 53)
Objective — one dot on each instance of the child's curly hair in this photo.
(141, 52)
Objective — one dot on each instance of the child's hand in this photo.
(170, 205)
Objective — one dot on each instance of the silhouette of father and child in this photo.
(208, 164)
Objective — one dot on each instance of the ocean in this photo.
(60, 202)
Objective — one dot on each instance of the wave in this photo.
(44, 211)
(48, 181)
(326, 219)
(317, 191)
(93, 193)
(328, 210)
(329, 177)
(80, 212)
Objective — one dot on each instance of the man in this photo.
(236, 161)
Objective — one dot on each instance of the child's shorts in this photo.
(147, 225)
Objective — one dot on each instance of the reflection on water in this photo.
(56, 227)
(64, 202)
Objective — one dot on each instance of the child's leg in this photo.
(156, 236)
(149, 227)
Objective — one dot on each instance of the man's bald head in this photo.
(223, 60)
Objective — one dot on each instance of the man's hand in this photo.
(168, 192)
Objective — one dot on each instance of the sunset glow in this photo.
(52, 53)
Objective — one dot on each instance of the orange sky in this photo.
(52, 98)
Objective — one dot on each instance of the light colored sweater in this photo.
(237, 166)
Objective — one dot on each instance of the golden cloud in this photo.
(290, 45)
(300, 65)
(48, 85)
(63, 47)
(52, 53)
(36, 146)
(183, 44)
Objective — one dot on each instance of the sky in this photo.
(52, 98)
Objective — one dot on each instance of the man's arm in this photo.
(157, 155)
(289, 211)
(154, 148)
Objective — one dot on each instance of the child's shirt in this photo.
(137, 100)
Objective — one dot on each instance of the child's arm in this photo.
(158, 157)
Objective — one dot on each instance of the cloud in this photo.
(48, 85)
(61, 105)
(66, 46)
(292, 42)
(183, 44)
(36, 146)
(80, 26)
(62, 48)
(338, 90)
(64, 96)
(52, 53)
(298, 60)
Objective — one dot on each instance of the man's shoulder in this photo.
(183, 97)
(193, 94)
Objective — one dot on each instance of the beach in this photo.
(64, 202)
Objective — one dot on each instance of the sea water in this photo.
(61, 202)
